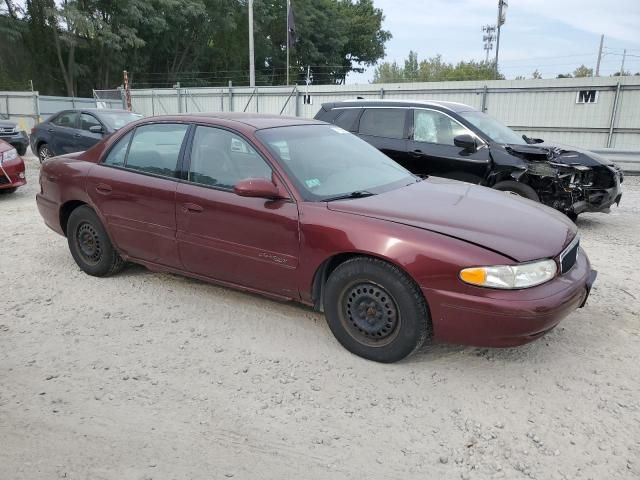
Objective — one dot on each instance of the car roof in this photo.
(255, 120)
(452, 106)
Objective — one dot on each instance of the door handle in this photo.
(50, 130)
(417, 152)
(103, 188)
(76, 135)
(191, 208)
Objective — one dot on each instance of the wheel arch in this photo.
(325, 269)
(65, 212)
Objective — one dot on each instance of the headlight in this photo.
(9, 155)
(511, 276)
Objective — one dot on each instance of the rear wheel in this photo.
(517, 188)
(44, 152)
(90, 245)
(375, 310)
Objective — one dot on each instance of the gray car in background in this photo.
(71, 131)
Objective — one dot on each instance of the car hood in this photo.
(559, 153)
(7, 124)
(512, 226)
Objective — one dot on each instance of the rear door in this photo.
(85, 138)
(134, 189)
(62, 131)
(387, 130)
(432, 150)
(253, 242)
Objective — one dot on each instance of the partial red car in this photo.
(11, 169)
(302, 210)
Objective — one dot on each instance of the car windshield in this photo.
(326, 162)
(492, 128)
(116, 120)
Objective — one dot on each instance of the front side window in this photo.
(87, 121)
(220, 158)
(383, 122)
(492, 128)
(325, 161)
(66, 119)
(435, 127)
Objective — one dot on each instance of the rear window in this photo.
(383, 122)
(155, 149)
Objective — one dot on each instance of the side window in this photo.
(87, 121)
(383, 122)
(118, 153)
(66, 119)
(155, 148)
(220, 158)
(347, 118)
(435, 127)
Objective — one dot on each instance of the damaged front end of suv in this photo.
(570, 180)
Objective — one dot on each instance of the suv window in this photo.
(66, 119)
(221, 158)
(383, 122)
(87, 121)
(435, 127)
(156, 148)
(347, 117)
(116, 156)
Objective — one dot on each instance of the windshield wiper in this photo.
(356, 194)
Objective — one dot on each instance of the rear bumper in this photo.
(510, 318)
(12, 174)
(50, 212)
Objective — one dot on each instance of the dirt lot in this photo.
(148, 376)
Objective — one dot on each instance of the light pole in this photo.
(502, 7)
(252, 66)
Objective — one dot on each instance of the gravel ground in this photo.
(152, 376)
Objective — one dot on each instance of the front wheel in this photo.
(375, 310)
(21, 149)
(44, 152)
(7, 191)
(517, 188)
(90, 245)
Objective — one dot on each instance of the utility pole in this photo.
(288, 35)
(624, 56)
(127, 91)
(599, 55)
(502, 6)
(488, 37)
(252, 66)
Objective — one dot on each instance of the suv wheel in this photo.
(517, 188)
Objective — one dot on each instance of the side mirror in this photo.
(96, 129)
(258, 188)
(466, 141)
(532, 141)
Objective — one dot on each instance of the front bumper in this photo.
(600, 200)
(12, 174)
(508, 318)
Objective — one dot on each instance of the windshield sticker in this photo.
(312, 183)
(338, 130)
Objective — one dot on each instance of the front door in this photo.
(85, 138)
(134, 189)
(432, 150)
(251, 242)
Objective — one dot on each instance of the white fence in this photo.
(602, 112)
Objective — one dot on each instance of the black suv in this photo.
(456, 141)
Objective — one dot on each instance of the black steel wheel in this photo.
(44, 152)
(370, 314)
(375, 310)
(90, 245)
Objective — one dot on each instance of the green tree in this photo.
(583, 71)
(536, 75)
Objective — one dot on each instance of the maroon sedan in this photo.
(11, 169)
(301, 210)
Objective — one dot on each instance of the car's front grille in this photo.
(7, 130)
(569, 256)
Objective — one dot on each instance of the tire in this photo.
(90, 245)
(8, 191)
(375, 310)
(21, 149)
(44, 152)
(573, 216)
(517, 188)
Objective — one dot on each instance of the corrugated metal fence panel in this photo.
(19, 107)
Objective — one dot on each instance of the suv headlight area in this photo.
(509, 277)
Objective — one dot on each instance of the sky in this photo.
(553, 36)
